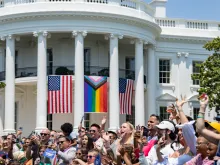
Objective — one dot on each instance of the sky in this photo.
(193, 9)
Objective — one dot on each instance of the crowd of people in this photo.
(178, 140)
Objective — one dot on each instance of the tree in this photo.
(2, 85)
(209, 76)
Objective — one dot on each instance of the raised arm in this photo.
(179, 104)
(103, 122)
(200, 125)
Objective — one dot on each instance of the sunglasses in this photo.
(79, 154)
(60, 142)
(44, 134)
(92, 131)
(90, 157)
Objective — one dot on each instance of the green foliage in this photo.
(209, 75)
(63, 71)
(2, 85)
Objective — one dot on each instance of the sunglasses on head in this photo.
(90, 157)
(92, 131)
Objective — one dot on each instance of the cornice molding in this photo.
(182, 51)
(145, 24)
(184, 38)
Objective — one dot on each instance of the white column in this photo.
(41, 114)
(79, 77)
(151, 87)
(139, 83)
(10, 85)
(114, 107)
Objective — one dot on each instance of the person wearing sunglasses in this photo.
(45, 136)
(91, 157)
(66, 153)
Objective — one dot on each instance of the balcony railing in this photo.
(69, 70)
(134, 4)
(189, 24)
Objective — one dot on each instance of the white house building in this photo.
(115, 38)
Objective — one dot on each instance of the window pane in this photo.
(163, 114)
(195, 70)
(164, 71)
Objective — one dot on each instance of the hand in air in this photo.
(180, 103)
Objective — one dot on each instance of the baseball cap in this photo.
(214, 125)
(113, 132)
(166, 125)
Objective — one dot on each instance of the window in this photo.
(49, 121)
(16, 116)
(163, 113)
(49, 61)
(130, 68)
(164, 71)
(131, 118)
(16, 62)
(196, 70)
(86, 120)
(87, 61)
(195, 113)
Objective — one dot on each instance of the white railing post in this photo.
(140, 5)
(9, 2)
(115, 2)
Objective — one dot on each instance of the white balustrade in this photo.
(166, 22)
(129, 3)
(24, 1)
(97, 1)
(197, 25)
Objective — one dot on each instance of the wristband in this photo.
(200, 117)
(201, 112)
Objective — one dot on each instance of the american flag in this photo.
(125, 95)
(60, 94)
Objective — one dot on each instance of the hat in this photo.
(214, 125)
(113, 132)
(166, 125)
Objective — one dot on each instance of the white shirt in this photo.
(152, 155)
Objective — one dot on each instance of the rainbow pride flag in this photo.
(95, 94)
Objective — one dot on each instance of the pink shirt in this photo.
(197, 160)
(150, 144)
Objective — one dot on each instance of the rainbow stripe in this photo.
(95, 100)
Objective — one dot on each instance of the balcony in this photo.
(188, 24)
(69, 70)
(132, 4)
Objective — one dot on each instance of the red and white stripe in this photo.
(60, 101)
(126, 98)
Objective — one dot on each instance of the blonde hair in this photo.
(130, 126)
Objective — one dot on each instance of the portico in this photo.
(41, 91)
